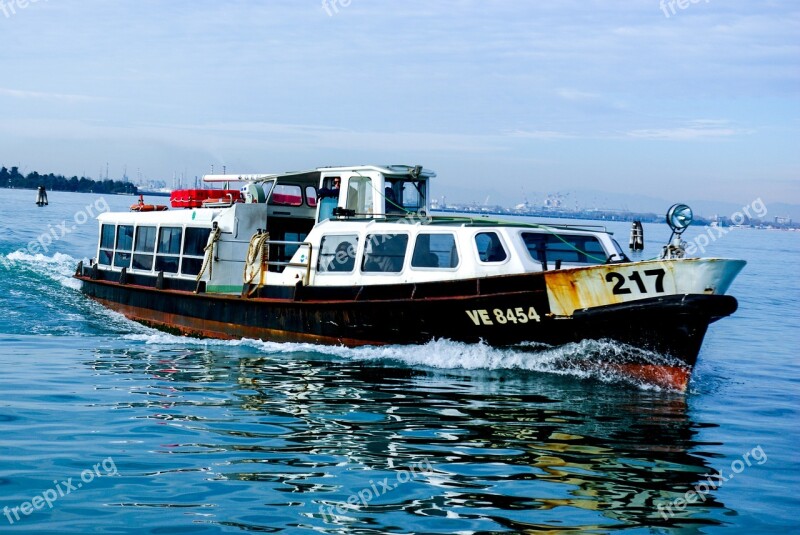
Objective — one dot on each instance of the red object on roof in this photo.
(194, 198)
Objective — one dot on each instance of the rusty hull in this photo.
(569, 290)
(554, 308)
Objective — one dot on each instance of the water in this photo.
(164, 434)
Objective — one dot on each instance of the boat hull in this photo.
(500, 311)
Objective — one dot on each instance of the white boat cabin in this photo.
(334, 226)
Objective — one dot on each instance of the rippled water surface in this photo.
(107, 426)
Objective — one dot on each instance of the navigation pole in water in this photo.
(41, 197)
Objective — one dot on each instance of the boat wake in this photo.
(43, 292)
(58, 267)
(601, 360)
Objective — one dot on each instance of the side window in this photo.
(414, 195)
(311, 196)
(145, 247)
(169, 249)
(287, 195)
(404, 195)
(393, 198)
(337, 253)
(194, 243)
(573, 249)
(107, 233)
(359, 195)
(385, 253)
(122, 255)
(490, 248)
(435, 251)
(328, 197)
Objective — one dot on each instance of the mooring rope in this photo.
(209, 256)
(257, 250)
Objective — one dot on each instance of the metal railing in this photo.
(306, 264)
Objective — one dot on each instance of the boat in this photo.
(353, 256)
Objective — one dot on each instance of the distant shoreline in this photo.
(613, 217)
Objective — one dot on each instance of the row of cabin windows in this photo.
(386, 253)
(153, 248)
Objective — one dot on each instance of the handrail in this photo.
(306, 264)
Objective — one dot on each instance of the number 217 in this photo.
(620, 282)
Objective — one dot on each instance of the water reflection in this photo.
(509, 450)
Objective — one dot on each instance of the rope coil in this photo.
(209, 256)
(256, 260)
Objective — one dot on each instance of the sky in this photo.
(692, 99)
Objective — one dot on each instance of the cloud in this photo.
(574, 94)
(19, 93)
(540, 134)
(699, 129)
(256, 135)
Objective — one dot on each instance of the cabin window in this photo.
(169, 249)
(194, 244)
(144, 249)
(404, 195)
(311, 196)
(359, 195)
(385, 253)
(287, 195)
(435, 251)
(490, 248)
(122, 254)
(107, 233)
(571, 249)
(337, 253)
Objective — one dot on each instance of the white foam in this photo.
(575, 359)
(578, 359)
(59, 267)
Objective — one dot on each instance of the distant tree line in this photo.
(14, 179)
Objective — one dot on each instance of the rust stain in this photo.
(574, 289)
(672, 377)
(203, 328)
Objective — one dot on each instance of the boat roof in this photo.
(456, 221)
(313, 174)
(200, 217)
